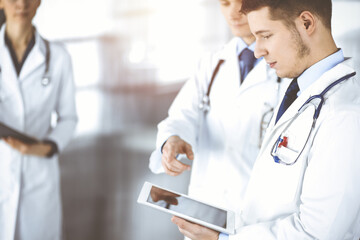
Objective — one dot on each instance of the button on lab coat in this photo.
(318, 197)
(225, 141)
(29, 186)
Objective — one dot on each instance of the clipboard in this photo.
(6, 131)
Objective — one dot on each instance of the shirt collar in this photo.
(314, 72)
(241, 45)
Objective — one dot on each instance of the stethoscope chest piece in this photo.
(205, 104)
(45, 81)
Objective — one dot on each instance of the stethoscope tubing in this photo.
(205, 101)
(320, 96)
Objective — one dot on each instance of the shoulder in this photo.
(210, 59)
(343, 107)
(346, 96)
(343, 125)
(58, 50)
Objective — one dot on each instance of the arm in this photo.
(182, 121)
(65, 107)
(41, 149)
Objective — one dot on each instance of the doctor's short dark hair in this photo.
(288, 10)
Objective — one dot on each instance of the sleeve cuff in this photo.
(161, 149)
(54, 148)
(223, 236)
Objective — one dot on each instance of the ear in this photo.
(308, 21)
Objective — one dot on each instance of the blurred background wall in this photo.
(130, 58)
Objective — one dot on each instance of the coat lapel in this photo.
(260, 73)
(231, 67)
(35, 59)
(9, 83)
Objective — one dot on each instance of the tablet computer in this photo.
(6, 131)
(188, 208)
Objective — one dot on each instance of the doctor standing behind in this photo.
(304, 183)
(222, 138)
(35, 82)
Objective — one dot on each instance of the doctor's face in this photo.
(237, 21)
(19, 11)
(280, 45)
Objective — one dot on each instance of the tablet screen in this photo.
(187, 206)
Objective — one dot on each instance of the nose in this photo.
(260, 51)
(23, 3)
(234, 10)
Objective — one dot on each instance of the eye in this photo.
(267, 36)
(224, 3)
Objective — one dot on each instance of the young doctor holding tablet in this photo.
(219, 117)
(304, 183)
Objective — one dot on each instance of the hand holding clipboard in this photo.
(6, 131)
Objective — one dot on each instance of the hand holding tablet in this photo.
(183, 206)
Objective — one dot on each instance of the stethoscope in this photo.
(45, 80)
(282, 139)
(204, 104)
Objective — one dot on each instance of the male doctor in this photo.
(224, 139)
(304, 184)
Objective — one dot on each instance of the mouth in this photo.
(22, 13)
(272, 64)
(238, 23)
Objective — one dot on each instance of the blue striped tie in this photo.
(289, 98)
(246, 61)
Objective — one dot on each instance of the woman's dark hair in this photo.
(2, 17)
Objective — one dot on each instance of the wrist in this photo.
(53, 148)
(170, 139)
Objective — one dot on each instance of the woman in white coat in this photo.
(35, 82)
(305, 181)
(226, 138)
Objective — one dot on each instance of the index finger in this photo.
(174, 166)
(172, 161)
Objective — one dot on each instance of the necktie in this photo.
(246, 60)
(289, 98)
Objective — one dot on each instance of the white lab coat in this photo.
(319, 196)
(226, 140)
(30, 205)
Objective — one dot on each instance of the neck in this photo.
(19, 35)
(249, 40)
(324, 47)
